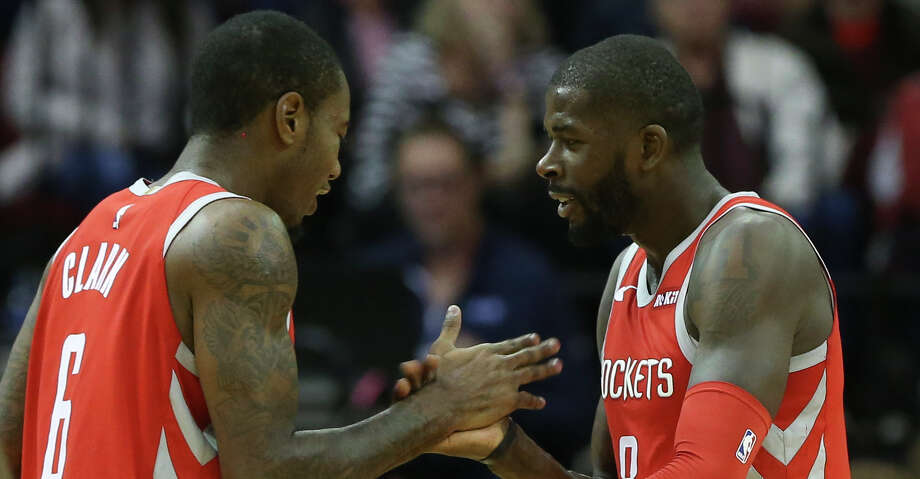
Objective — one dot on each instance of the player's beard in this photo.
(608, 208)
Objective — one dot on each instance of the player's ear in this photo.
(653, 143)
(291, 117)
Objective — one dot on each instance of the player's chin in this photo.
(312, 207)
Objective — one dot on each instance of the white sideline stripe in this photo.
(753, 474)
(784, 444)
(193, 436)
(186, 358)
(817, 470)
(190, 211)
(163, 467)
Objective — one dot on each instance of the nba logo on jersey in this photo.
(746, 446)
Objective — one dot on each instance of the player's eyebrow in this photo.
(564, 126)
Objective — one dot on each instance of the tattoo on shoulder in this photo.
(251, 264)
(248, 253)
(730, 280)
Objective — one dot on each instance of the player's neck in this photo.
(670, 218)
(227, 162)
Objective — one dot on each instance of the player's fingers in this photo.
(539, 372)
(511, 346)
(414, 372)
(535, 354)
(529, 401)
(449, 332)
(430, 366)
(401, 390)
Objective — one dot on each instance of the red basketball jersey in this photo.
(112, 391)
(648, 355)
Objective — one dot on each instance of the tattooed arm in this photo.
(13, 386)
(240, 281)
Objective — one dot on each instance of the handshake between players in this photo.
(481, 383)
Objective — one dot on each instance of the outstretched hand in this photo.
(520, 360)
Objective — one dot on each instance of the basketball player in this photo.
(160, 341)
(717, 331)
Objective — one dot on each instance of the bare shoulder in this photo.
(603, 312)
(233, 243)
(769, 241)
(753, 265)
(234, 250)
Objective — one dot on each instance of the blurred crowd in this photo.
(815, 104)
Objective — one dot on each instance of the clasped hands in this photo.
(522, 360)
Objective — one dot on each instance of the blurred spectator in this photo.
(91, 83)
(768, 127)
(769, 16)
(861, 48)
(894, 183)
(360, 31)
(451, 255)
(595, 20)
(486, 62)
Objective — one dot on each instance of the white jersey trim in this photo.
(784, 444)
(186, 358)
(684, 340)
(811, 358)
(141, 188)
(817, 469)
(163, 467)
(644, 296)
(188, 176)
(624, 265)
(194, 437)
(190, 211)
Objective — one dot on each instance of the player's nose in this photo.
(548, 167)
(336, 170)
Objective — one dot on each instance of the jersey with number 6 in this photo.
(112, 391)
(648, 355)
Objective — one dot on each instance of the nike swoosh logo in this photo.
(119, 214)
(618, 294)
